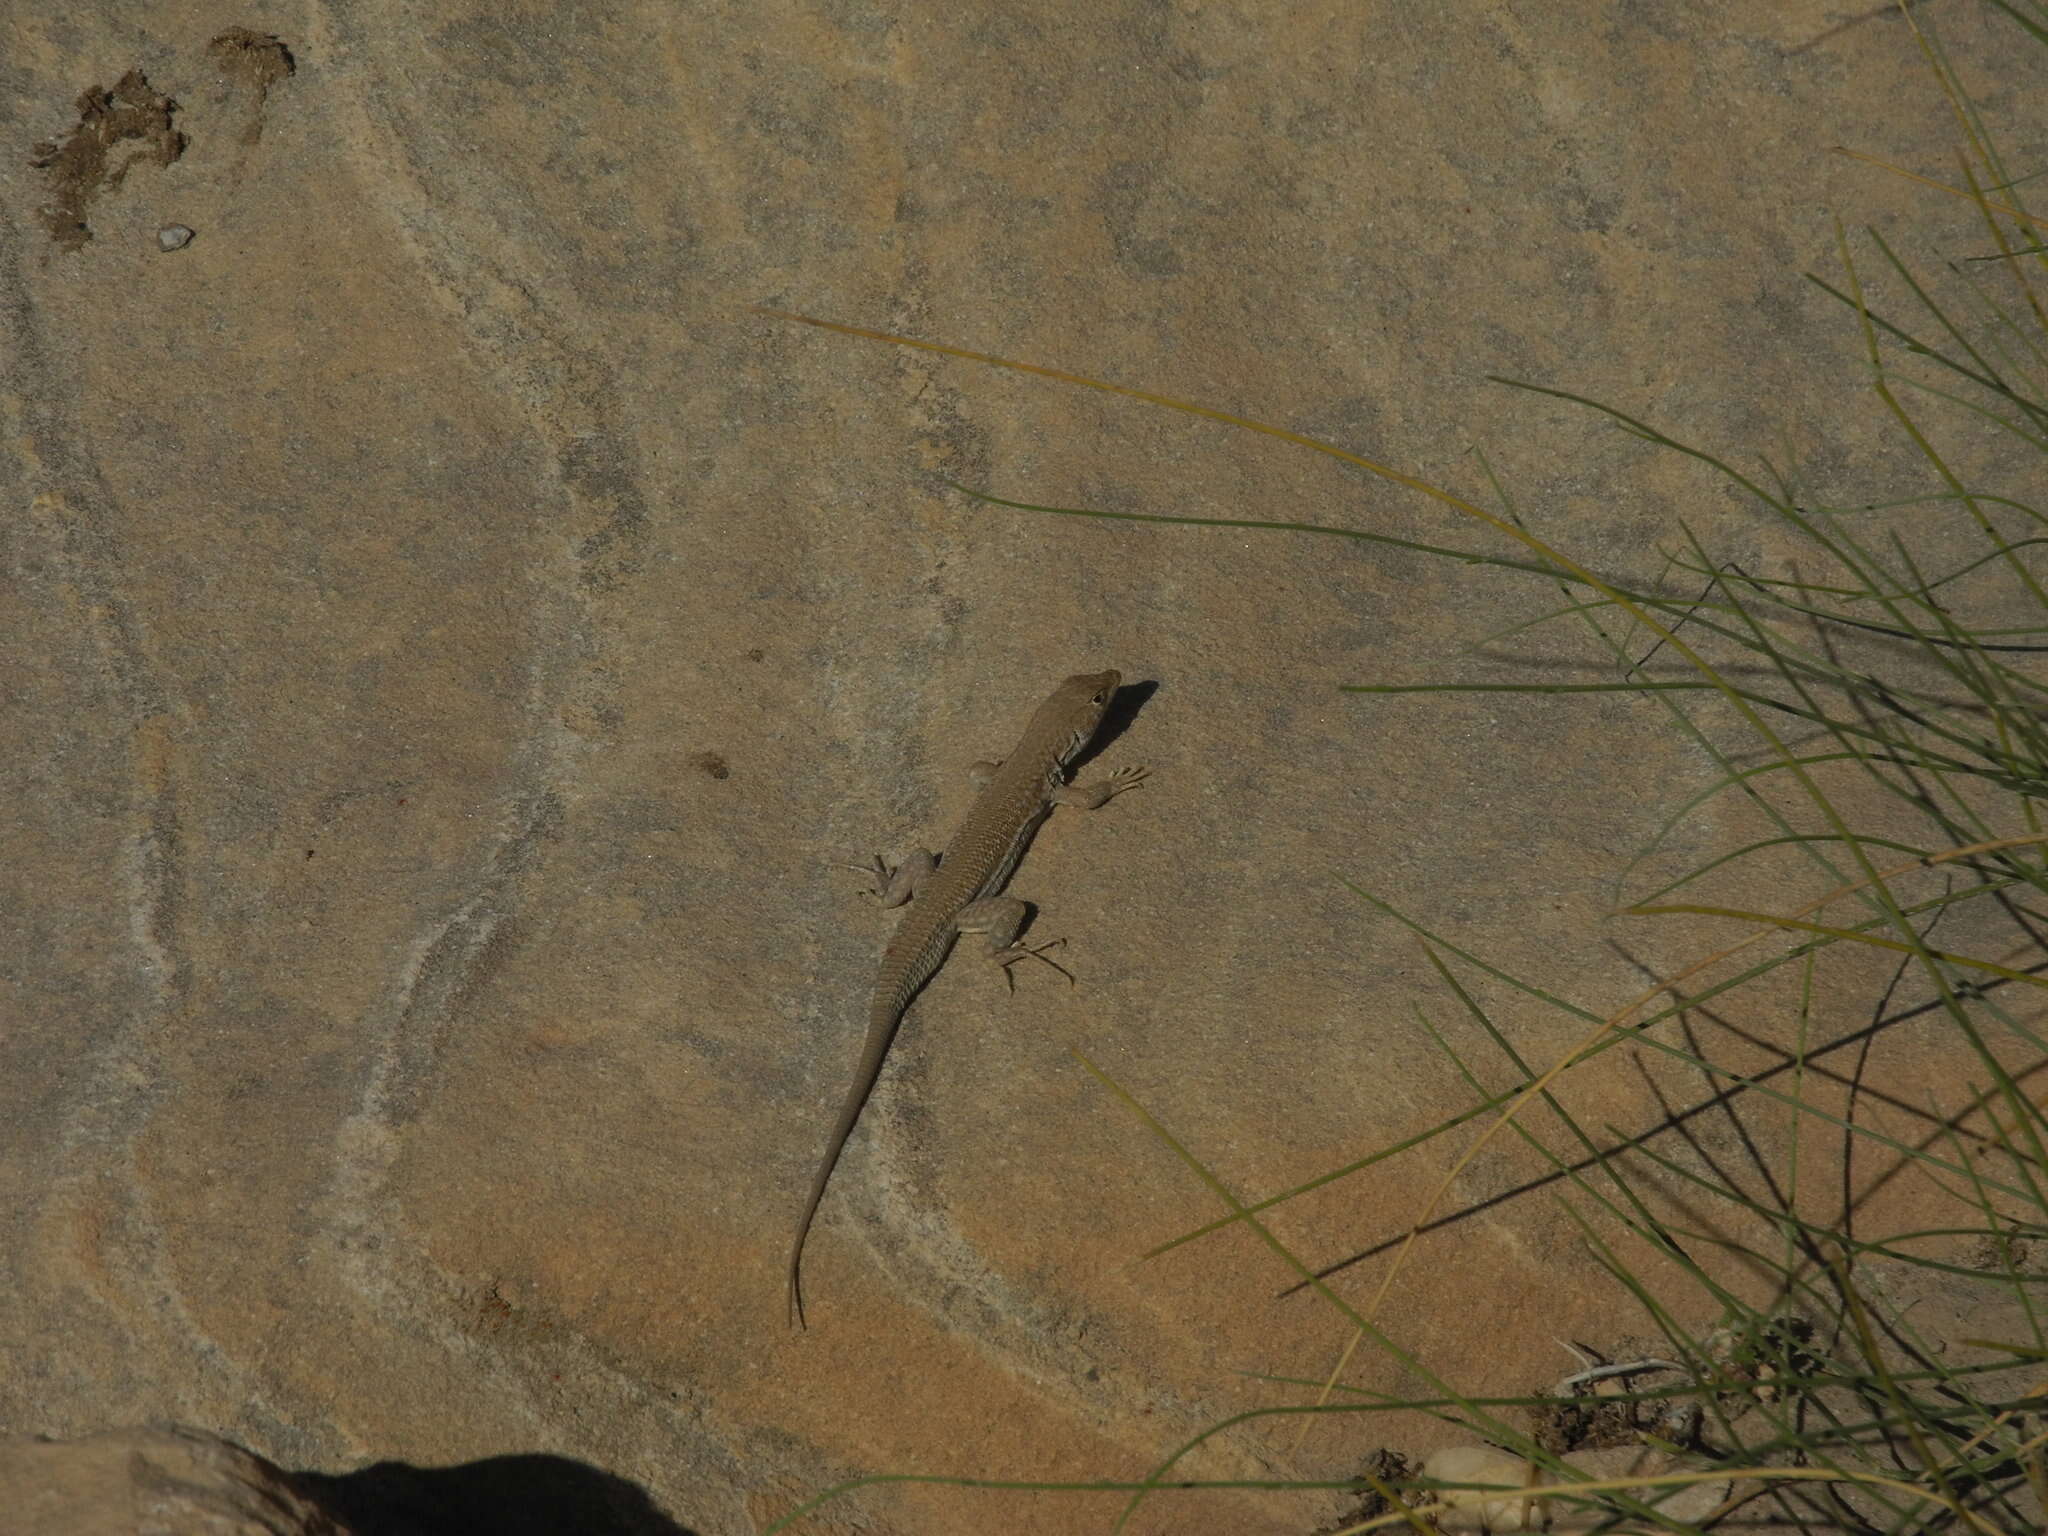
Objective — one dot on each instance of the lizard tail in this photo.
(818, 1186)
(833, 1148)
(796, 1254)
(881, 1029)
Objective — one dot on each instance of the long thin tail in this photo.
(803, 1226)
(881, 1030)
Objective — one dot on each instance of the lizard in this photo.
(961, 893)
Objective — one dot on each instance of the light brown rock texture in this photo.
(163, 1481)
(448, 638)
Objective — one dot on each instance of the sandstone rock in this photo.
(162, 1481)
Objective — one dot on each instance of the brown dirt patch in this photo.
(255, 61)
(83, 164)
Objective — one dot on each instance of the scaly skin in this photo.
(961, 894)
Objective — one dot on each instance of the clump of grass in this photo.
(1875, 711)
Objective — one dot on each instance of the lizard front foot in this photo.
(1089, 797)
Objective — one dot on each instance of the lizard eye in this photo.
(1100, 695)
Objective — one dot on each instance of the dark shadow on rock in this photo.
(503, 1496)
(1122, 711)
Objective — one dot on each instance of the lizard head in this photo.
(1079, 704)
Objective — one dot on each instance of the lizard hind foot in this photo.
(1009, 957)
(894, 884)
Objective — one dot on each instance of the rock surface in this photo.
(166, 1481)
(448, 638)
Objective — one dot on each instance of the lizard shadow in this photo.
(1122, 711)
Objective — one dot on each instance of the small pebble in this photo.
(174, 237)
